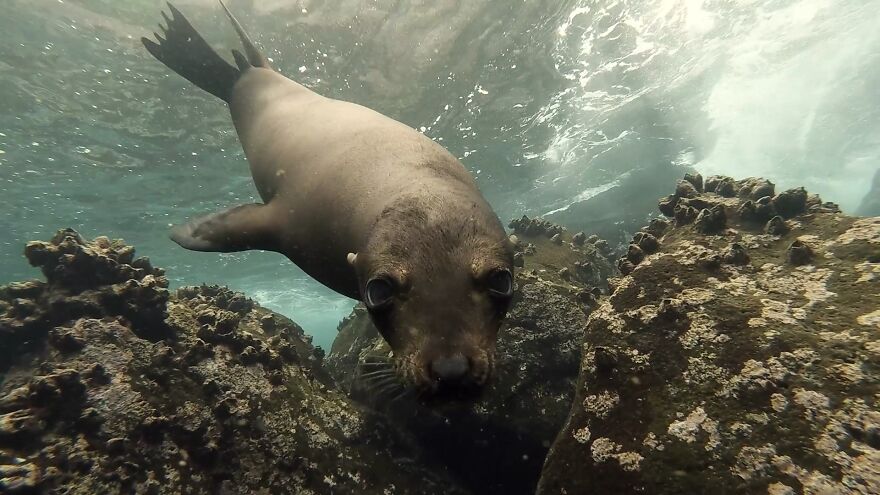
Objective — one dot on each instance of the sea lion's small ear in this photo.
(352, 258)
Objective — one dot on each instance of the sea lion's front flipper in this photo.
(237, 229)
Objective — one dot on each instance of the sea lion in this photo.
(364, 204)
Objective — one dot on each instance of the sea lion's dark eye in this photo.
(500, 283)
(379, 293)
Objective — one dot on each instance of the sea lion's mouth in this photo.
(440, 393)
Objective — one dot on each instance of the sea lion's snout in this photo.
(454, 377)
(450, 370)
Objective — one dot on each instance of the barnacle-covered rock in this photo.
(499, 446)
(685, 213)
(533, 227)
(625, 266)
(758, 211)
(647, 242)
(635, 254)
(754, 375)
(667, 205)
(721, 185)
(799, 253)
(685, 189)
(776, 226)
(696, 180)
(736, 254)
(98, 278)
(95, 403)
(657, 227)
(756, 188)
(790, 203)
(711, 220)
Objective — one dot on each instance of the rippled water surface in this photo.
(553, 105)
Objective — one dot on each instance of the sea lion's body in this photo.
(366, 205)
(329, 168)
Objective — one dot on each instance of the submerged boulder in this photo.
(498, 446)
(736, 359)
(110, 384)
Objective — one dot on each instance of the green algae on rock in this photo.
(737, 366)
(499, 445)
(100, 395)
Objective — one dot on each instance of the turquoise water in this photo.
(548, 103)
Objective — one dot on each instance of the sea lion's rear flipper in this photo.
(254, 57)
(237, 229)
(184, 51)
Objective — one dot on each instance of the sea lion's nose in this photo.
(450, 369)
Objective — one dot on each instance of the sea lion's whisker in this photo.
(373, 383)
(381, 372)
(406, 391)
(374, 365)
(375, 361)
(390, 387)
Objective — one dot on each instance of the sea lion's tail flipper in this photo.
(254, 57)
(184, 51)
(237, 229)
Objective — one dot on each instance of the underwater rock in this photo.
(711, 183)
(776, 226)
(685, 189)
(790, 203)
(711, 220)
(533, 227)
(625, 266)
(499, 445)
(635, 254)
(755, 188)
(758, 211)
(696, 180)
(647, 242)
(95, 403)
(96, 279)
(667, 205)
(721, 185)
(657, 227)
(745, 377)
(799, 253)
(736, 254)
(685, 214)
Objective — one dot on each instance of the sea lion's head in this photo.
(437, 284)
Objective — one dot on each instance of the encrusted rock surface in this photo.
(94, 279)
(100, 392)
(725, 362)
(499, 446)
